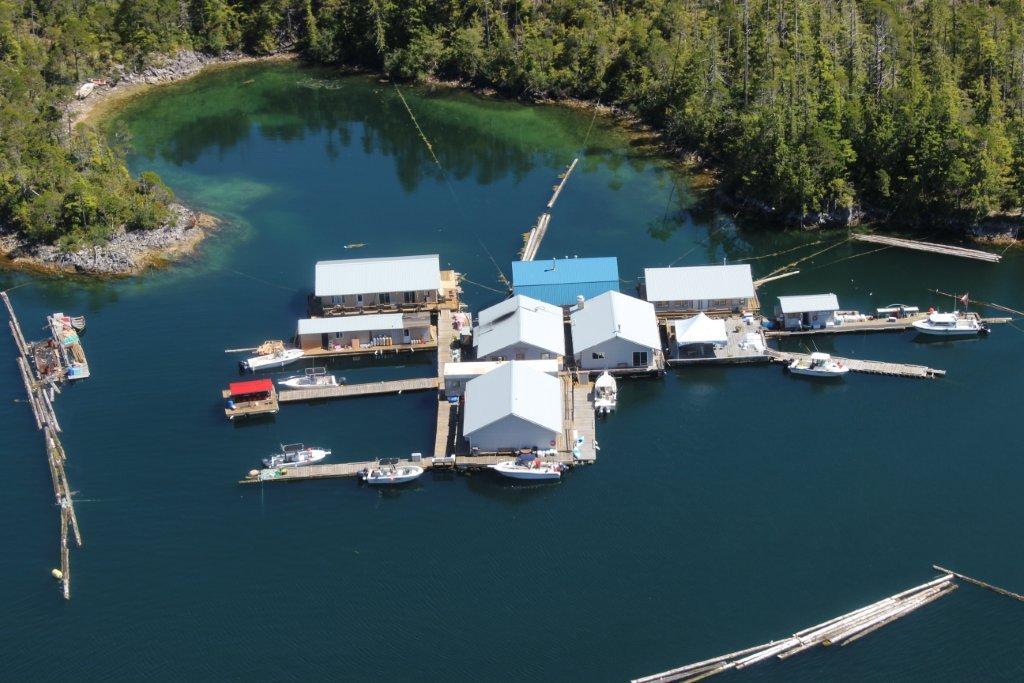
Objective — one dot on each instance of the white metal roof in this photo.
(352, 323)
(513, 389)
(482, 367)
(806, 303)
(371, 275)
(697, 283)
(520, 320)
(612, 315)
(700, 329)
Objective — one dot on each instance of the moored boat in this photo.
(605, 394)
(952, 324)
(529, 468)
(818, 365)
(389, 473)
(271, 354)
(296, 455)
(312, 377)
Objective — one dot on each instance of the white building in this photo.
(458, 375)
(615, 331)
(353, 333)
(513, 406)
(718, 289)
(372, 284)
(520, 328)
(814, 311)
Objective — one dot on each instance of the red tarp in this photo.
(255, 386)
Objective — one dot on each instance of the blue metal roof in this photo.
(560, 281)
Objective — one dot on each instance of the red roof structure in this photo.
(254, 386)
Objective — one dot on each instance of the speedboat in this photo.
(296, 455)
(270, 355)
(530, 468)
(389, 473)
(605, 394)
(818, 365)
(312, 377)
(950, 325)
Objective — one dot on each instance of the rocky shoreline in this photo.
(124, 254)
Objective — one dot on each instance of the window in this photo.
(385, 298)
(409, 297)
(520, 356)
(545, 356)
(597, 355)
(640, 359)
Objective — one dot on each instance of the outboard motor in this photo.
(243, 367)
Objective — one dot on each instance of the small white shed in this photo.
(808, 310)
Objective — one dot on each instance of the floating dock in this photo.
(533, 238)
(397, 386)
(871, 367)
(932, 247)
(876, 325)
(745, 344)
(843, 630)
(40, 388)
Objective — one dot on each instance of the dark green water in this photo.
(728, 507)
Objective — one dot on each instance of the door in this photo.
(406, 337)
(359, 300)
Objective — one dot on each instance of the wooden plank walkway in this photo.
(877, 325)
(333, 471)
(932, 247)
(396, 386)
(871, 367)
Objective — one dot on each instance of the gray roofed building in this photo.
(374, 275)
(805, 303)
(701, 288)
(520, 328)
(615, 331)
(513, 406)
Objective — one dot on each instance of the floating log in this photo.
(980, 584)
(932, 247)
(845, 628)
(771, 278)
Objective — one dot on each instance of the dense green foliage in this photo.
(913, 109)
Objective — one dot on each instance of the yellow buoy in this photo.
(57, 574)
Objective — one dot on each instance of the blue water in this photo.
(729, 506)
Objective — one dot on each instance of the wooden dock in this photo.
(932, 247)
(871, 367)
(396, 386)
(533, 238)
(875, 325)
(40, 392)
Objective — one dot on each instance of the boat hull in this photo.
(267, 362)
(317, 456)
(830, 374)
(402, 476)
(298, 383)
(513, 471)
(946, 331)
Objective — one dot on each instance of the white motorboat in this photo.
(818, 365)
(533, 469)
(605, 394)
(296, 455)
(950, 325)
(271, 354)
(389, 473)
(312, 377)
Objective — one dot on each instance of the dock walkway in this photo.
(396, 386)
(876, 325)
(872, 367)
(932, 247)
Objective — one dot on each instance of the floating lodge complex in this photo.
(517, 376)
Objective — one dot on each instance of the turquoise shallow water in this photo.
(728, 507)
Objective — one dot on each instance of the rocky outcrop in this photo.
(125, 253)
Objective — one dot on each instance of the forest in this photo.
(908, 111)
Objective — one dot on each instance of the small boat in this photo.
(312, 377)
(605, 394)
(950, 325)
(389, 473)
(818, 365)
(271, 354)
(355, 245)
(296, 455)
(529, 468)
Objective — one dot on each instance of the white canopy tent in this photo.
(700, 329)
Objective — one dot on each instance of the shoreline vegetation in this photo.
(805, 113)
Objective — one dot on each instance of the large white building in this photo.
(615, 331)
(807, 310)
(511, 407)
(520, 328)
(372, 284)
(717, 289)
